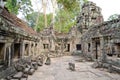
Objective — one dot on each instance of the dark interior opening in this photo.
(117, 51)
(68, 47)
(16, 50)
(26, 50)
(93, 9)
(78, 46)
(45, 46)
(97, 44)
(93, 18)
(35, 44)
(89, 47)
(32, 45)
(2, 53)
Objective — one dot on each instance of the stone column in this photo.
(52, 45)
(36, 49)
(33, 49)
(8, 58)
(22, 49)
(29, 49)
(92, 52)
(4, 52)
(103, 55)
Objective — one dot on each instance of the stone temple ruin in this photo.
(94, 38)
(100, 39)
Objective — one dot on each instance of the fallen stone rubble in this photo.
(21, 69)
(111, 65)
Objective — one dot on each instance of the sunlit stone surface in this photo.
(58, 70)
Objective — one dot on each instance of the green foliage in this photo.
(12, 6)
(64, 21)
(15, 6)
(31, 18)
(85, 0)
(68, 10)
(69, 5)
(114, 16)
(26, 7)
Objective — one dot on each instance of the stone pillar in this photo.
(72, 48)
(103, 55)
(36, 49)
(29, 46)
(22, 49)
(33, 50)
(52, 45)
(4, 52)
(29, 49)
(92, 43)
(7, 52)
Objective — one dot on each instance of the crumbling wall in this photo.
(90, 15)
(14, 35)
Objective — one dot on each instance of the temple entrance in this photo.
(97, 49)
(78, 46)
(27, 50)
(68, 47)
(16, 51)
(117, 50)
(2, 53)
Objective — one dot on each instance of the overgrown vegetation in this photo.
(114, 16)
(16, 6)
(38, 25)
(68, 10)
(65, 15)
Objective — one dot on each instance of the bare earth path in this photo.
(58, 70)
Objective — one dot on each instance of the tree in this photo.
(69, 5)
(114, 16)
(32, 17)
(16, 6)
(64, 21)
(66, 15)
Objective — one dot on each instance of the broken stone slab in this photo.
(26, 70)
(8, 78)
(31, 71)
(97, 64)
(40, 63)
(48, 61)
(19, 67)
(34, 64)
(39, 60)
(71, 66)
(18, 75)
(115, 69)
(106, 65)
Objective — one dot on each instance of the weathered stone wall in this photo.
(89, 15)
(59, 43)
(108, 30)
(47, 41)
(75, 35)
(16, 41)
(98, 37)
